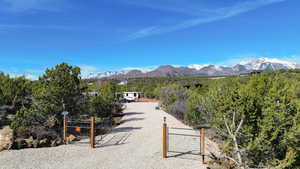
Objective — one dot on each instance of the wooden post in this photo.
(92, 137)
(65, 130)
(202, 144)
(167, 139)
(164, 139)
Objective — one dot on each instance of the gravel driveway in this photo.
(135, 144)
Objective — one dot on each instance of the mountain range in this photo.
(261, 64)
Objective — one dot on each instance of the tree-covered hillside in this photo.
(149, 85)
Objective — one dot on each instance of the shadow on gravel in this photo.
(131, 119)
(115, 140)
(132, 113)
(125, 129)
(188, 155)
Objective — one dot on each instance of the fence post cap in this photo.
(65, 113)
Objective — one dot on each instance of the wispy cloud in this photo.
(189, 7)
(17, 6)
(144, 32)
(206, 17)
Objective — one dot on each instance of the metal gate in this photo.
(183, 142)
(86, 131)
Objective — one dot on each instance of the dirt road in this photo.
(135, 144)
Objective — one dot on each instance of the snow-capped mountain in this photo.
(104, 74)
(261, 64)
(197, 67)
(268, 64)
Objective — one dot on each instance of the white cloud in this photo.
(206, 17)
(32, 76)
(238, 59)
(87, 69)
(26, 75)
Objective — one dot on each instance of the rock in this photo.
(71, 138)
(117, 120)
(53, 143)
(44, 143)
(59, 141)
(29, 142)
(6, 138)
(20, 143)
(35, 143)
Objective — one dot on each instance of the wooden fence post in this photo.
(164, 138)
(202, 144)
(65, 130)
(92, 137)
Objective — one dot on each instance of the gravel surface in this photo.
(135, 144)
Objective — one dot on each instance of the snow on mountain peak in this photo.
(263, 63)
(197, 67)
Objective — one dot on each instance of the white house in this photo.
(132, 96)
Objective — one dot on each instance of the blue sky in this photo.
(116, 34)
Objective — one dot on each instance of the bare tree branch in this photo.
(239, 127)
(226, 124)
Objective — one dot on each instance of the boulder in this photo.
(53, 143)
(20, 143)
(117, 120)
(56, 142)
(71, 138)
(59, 141)
(35, 143)
(44, 142)
(6, 138)
(29, 142)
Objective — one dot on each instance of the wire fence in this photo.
(81, 129)
(183, 143)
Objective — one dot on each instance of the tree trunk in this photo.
(237, 150)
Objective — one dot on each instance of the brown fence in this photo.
(145, 100)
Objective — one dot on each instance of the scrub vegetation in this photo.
(34, 108)
(254, 118)
(257, 117)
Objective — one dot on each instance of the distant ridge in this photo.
(261, 64)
